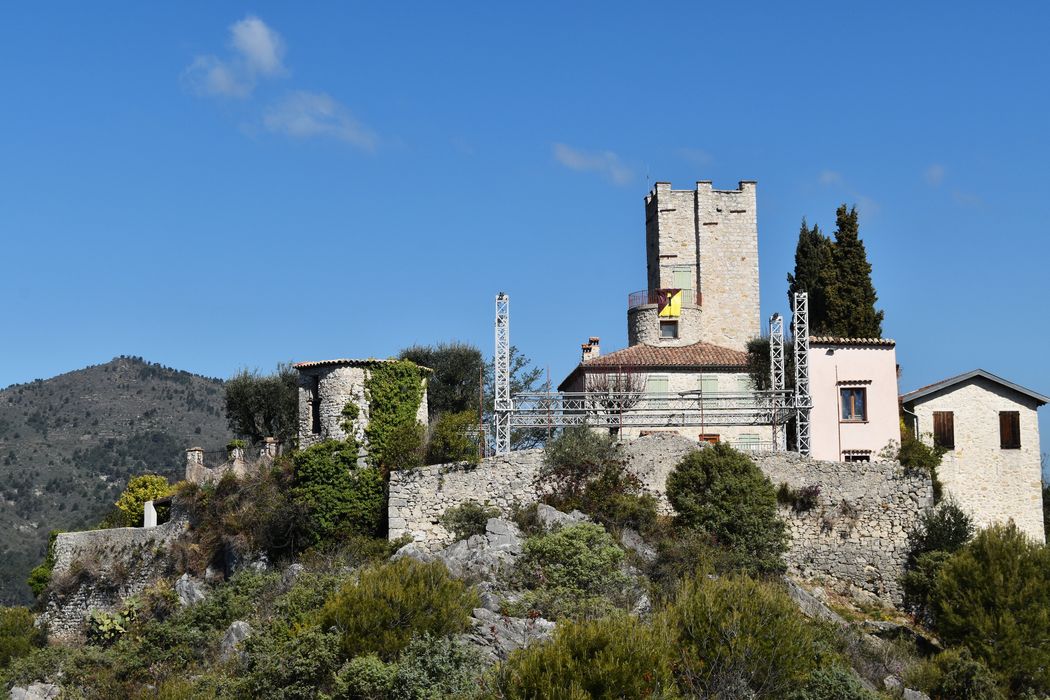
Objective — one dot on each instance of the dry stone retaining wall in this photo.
(97, 569)
(854, 538)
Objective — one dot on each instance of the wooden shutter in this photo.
(944, 429)
(1009, 430)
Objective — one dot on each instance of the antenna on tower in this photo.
(803, 401)
(501, 361)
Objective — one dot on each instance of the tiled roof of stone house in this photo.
(696, 356)
(925, 391)
(343, 362)
(829, 340)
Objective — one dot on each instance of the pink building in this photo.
(853, 382)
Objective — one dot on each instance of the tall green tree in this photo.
(814, 274)
(260, 406)
(851, 301)
(453, 386)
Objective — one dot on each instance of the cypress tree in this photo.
(851, 298)
(814, 273)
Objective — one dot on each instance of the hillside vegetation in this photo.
(69, 444)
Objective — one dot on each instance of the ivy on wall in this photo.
(395, 438)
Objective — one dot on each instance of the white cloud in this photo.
(258, 51)
(696, 156)
(934, 175)
(306, 115)
(605, 162)
(261, 47)
(830, 177)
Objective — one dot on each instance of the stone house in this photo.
(853, 385)
(325, 388)
(688, 331)
(990, 429)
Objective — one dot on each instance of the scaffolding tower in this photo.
(803, 400)
(502, 405)
(776, 378)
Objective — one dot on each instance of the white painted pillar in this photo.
(149, 515)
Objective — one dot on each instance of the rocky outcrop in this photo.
(496, 636)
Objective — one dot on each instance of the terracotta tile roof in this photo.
(349, 363)
(829, 340)
(697, 355)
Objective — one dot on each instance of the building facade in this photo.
(853, 385)
(687, 333)
(990, 430)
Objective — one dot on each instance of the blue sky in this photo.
(221, 185)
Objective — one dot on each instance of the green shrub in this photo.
(104, 628)
(148, 487)
(388, 604)
(993, 596)
(945, 528)
(723, 493)
(800, 500)
(290, 666)
(451, 441)
(681, 554)
(918, 581)
(435, 668)
(612, 657)
(40, 576)
(955, 675)
(833, 683)
(395, 437)
(467, 519)
(571, 570)
(574, 458)
(337, 495)
(741, 638)
(917, 454)
(365, 678)
(18, 635)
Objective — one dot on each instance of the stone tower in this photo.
(704, 242)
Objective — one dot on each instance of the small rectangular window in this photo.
(315, 405)
(1010, 430)
(857, 458)
(854, 403)
(657, 384)
(944, 429)
(668, 330)
(709, 383)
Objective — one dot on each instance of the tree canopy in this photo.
(260, 406)
(453, 386)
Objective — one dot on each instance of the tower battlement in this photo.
(706, 240)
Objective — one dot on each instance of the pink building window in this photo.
(854, 402)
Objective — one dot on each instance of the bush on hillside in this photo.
(955, 675)
(365, 678)
(918, 581)
(467, 519)
(612, 657)
(40, 576)
(18, 634)
(573, 571)
(721, 492)
(681, 554)
(433, 668)
(299, 665)
(148, 487)
(833, 683)
(993, 596)
(451, 441)
(574, 458)
(915, 453)
(387, 605)
(338, 496)
(737, 637)
(945, 528)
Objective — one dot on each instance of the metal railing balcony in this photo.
(690, 298)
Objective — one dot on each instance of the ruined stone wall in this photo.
(98, 569)
(855, 537)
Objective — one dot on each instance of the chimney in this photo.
(591, 349)
(195, 456)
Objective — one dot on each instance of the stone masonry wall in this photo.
(855, 538)
(97, 569)
(994, 485)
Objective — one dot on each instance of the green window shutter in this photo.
(709, 383)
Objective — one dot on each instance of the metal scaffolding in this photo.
(502, 405)
(776, 377)
(803, 399)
